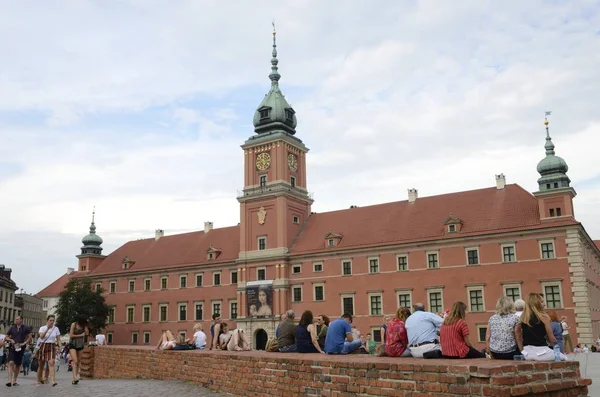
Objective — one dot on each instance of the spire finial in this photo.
(93, 225)
(549, 146)
(274, 76)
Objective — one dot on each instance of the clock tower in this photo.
(275, 202)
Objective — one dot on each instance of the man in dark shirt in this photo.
(287, 334)
(18, 336)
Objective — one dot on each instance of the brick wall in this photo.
(277, 374)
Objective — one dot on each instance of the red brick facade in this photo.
(277, 374)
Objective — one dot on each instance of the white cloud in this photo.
(139, 108)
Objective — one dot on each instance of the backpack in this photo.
(272, 345)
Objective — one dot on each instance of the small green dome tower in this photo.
(92, 243)
(553, 169)
(274, 114)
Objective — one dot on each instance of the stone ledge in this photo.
(294, 374)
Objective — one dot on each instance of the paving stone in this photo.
(99, 388)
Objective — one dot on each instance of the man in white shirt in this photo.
(566, 336)
(101, 339)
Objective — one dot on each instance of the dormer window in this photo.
(453, 224)
(212, 253)
(332, 239)
(127, 263)
(264, 113)
(289, 115)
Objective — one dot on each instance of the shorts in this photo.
(16, 356)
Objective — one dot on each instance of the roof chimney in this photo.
(158, 233)
(412, 195)
(70, 270)
(500, 181)
(208, 226)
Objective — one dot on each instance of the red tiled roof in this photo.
(57, 286)
(481, 211)
(597, 242)
(175, 250)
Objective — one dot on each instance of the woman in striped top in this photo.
(454, 335)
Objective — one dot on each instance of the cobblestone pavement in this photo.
(100, 388)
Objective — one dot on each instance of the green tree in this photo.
(79, 298)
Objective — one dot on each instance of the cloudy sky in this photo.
(138, 107)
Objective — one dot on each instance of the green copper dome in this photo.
(275, 113)
(552, 168)
(92, 242)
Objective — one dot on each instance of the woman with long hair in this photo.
(306, 334)
(396, 337)
(323, 323)
(500, 334)
(167, 341)
(79, 335)
(264, 308)
(454, 335)
(533, 333)
(49, 344)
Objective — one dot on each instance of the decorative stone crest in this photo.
(262, 215)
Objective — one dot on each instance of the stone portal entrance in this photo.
(260, 339)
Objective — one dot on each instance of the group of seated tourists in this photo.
(530, 333)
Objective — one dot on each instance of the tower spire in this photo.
(92, 243)
(274, 76)
(93, 224)
(549, 146)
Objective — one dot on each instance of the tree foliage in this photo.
(80, 298)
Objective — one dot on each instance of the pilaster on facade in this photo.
(579, 285)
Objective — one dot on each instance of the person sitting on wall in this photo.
(287, 335)
(199, 339)
(454, 335)
(281, 320)
(322, 326)
(396, 337)
(339, 339)
(264, 309)
(422, 329)
(534, 331)
(214, 330)
(234, 340)
(306, 335)
(166, 341)
(500, 334)
(182, 343)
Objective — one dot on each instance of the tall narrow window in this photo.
(234, 278)
(199, 311)
(551, 211)
(435, 302)
(163, 313)
(297, 294)
(263, 180)
(476, 300)
(348, 305)
(346, 268)
(130, 311)
(402, 262)
(319, 292)
(293, 181)
(376, 305)
(146, 314)
(182, 281)
(547, 250)
(508, 252)
(163, 283)
(112, 287)
(472, 257)
(374, 265)
(198, 280)
(217, 279)
(552, 296)
(432, 261)
(233, 310)
(131, 286)
(261, 274)
(262, 243)
(147, 284)
(182, 312)
(558, 212)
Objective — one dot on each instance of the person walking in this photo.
(565, 334)
(79, 334)
(26, 362)
(18, 336)
(49, 343)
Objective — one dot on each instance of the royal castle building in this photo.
(472, 246)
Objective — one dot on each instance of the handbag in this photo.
(36, 349)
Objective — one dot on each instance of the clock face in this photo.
(263, 161)
(292, 162)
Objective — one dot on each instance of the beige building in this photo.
(7, 298)
(30, 308)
